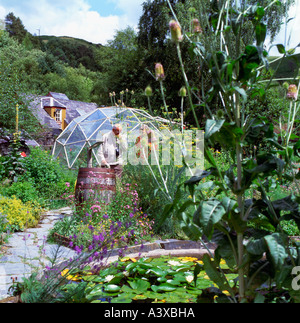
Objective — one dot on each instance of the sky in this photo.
(98, 20)
(290, 36)
(93, 20)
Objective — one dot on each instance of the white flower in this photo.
(189, 278)
(174, 263)
(126, 273)
(108, 278)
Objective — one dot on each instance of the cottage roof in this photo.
(77, 108)
(43, 117)
(74, 108)
(58, 96)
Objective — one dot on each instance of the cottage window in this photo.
(57, 115)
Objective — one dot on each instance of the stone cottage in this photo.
(55, 111)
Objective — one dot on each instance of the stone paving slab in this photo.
(28, 251)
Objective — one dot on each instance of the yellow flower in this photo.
(128, 259)
(222, 262)
(65, 272)
(188, 259)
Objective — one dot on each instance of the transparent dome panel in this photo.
(77, 136)
(96, 115)
(106, 126)
(63, 137)
(89, 128)
(73, 151)
(111, 112)
(58, 150)
(97, 136)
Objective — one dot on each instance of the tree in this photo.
(15, 27)
(120, 64)
(13, 92)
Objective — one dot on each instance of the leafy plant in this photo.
(25, 191)
(226, 216)
(19, 215)
(13, 163)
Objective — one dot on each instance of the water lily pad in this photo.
(111, 288)
(163, 288)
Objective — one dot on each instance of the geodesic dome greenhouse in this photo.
(88, 129)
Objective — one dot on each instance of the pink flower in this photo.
(292, 92)
(175, 29)
(159, 72)
(196, 26)
(67, 184)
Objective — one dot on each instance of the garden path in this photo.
(26, 252)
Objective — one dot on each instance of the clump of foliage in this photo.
(19, 215)
(122, 220)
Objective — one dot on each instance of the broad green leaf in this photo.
(213, 273)
(281, 48)
(212, 126)
(228, 204)
(139, 285)
(209, 157)
(261, 32)
(197, 270)
(157, 271)
(256, 247)
(242, 92)
(123, 298)
(208, 214)
(259, 298)
(277, 249)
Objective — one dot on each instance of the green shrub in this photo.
(41, 167)
(25, 191)
(46, 174)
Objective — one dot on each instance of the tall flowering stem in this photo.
(160, 76)
(187, 85)
(17, 118)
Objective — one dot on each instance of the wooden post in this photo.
(89, 153)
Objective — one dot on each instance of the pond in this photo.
(148, 280)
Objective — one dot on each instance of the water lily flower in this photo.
(109, 278)
(189, 278)
(174, 263)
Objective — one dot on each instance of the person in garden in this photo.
(112, 150)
